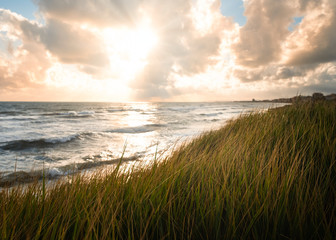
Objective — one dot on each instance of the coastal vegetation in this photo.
(265, 175)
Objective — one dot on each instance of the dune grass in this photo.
(267, 175)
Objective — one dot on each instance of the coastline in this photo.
(263, 175)
(61, 138)
(21, 177)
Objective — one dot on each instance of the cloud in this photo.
(194, 42)
(25, 66)
(42, 45)
(304, 79)
(95, 12)
(260, 39)
(73, 45)
(190, 35)
(267, 52)
(314, 40)
(308, 4)
(184, 48)
(266, 39)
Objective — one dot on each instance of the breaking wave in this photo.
(19, 145)
(20, 177)
(211, 114)
(138, 129)
(11, 113)
(73, 114)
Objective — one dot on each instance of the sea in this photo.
(61, 137)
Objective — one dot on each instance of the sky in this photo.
(152, 50)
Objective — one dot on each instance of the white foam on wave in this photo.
(55, 172)
(86, 113)
(74, 113)
(70, 131)
(138, 129)
(69, 113)
(69, 138)
(211, 114)
(116, 110)
(63, 139)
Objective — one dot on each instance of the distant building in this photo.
(331, 97)
(318, 97)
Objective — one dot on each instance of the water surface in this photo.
(57, 135)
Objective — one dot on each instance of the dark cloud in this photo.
(288, 72)
(309, 4)
(300, 79)
(263, 39)
(73, 45)
(315, 41)
(248, 75)
(266, 28)
(268, 53)
(197, 55)
(326, 88)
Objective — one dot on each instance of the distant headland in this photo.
(315, 97)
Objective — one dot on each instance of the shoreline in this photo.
(21, 177)
(90, 159)
(263, 175)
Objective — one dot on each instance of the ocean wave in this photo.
(211, 114)
(234, 111)
(133, 109)
(181, 109)
(116, 110)
(138, 129)
(71, 114)
(19, 118)
(8, 179)
(86, 113)
(19, 145)
(11, 113)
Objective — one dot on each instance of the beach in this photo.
(59, 139)
(264, 175)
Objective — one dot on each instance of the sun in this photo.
(128, 48)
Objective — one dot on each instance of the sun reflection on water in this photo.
(140, 138)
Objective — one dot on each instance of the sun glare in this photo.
(128, 49)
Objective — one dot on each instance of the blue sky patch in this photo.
(25, 8)
(234, 9)
(296, 21)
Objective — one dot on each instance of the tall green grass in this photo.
(267, 175)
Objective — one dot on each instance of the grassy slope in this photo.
(265, 175)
